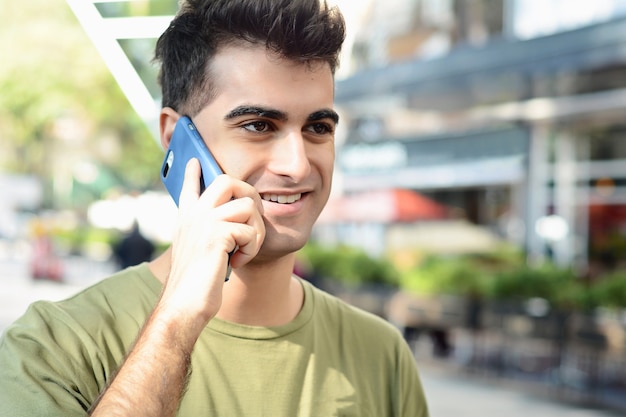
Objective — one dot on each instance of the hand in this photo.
(226, 216)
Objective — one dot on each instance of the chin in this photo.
(277, 245)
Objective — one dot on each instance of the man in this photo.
(172, 337)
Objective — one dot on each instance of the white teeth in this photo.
(282, 199)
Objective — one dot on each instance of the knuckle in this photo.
(249, 203)
(221, 180)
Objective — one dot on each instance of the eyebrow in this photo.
(260, 111)
(256, 111)
(324, 114)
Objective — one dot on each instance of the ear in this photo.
(167, 122)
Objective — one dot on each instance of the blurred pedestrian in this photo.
(44, 262)
(133, 249)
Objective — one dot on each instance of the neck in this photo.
(257, 294)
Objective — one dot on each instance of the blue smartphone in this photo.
(186, 143)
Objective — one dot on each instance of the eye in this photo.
(257, 126)
(320, 128)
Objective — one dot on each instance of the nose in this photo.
(290, 157)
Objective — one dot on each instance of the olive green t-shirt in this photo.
(331, 360)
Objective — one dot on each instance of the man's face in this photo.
(271, 125)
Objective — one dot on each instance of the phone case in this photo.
(185, 144)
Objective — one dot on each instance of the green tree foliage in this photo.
(562, 287)
(446, 275)
(349, 265)
(610, 290)
(52, 73)
(506, 276)
(470, 274)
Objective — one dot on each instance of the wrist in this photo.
(175, 331)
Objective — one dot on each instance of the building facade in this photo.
(510, 112)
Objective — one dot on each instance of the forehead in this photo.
(252, 74)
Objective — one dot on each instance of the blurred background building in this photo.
(510, 113)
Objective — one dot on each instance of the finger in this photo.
(248, 249)
(190, 191)
(226, 188)
(248, 239)
(241, 210)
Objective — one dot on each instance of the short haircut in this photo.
(303, 31)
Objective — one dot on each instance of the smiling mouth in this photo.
(282, 199)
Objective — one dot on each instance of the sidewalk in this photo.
(451, 393)
(18, 290)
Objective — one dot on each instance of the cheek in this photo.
(325, 160)
(239, 167)
(235, 161)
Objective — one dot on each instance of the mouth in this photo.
(282, 199)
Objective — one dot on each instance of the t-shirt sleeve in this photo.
(57, 358)
(410, 400)
(40, 369)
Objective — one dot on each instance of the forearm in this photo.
(152, 379)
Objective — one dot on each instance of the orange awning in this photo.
(383, 206)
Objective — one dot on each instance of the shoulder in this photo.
(132, 288)
(64, 352)
(131, 291)
(107, 308)
(369, 350)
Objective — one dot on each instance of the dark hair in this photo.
(298, 30)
